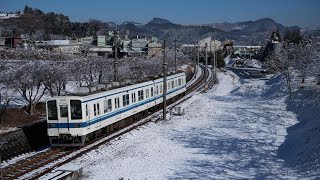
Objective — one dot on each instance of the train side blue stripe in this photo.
(108, 115)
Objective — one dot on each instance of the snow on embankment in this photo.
(301, 148)
(234, 131)
(302, 145)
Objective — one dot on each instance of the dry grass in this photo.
(17, 117)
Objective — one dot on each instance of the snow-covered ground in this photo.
(233, 131)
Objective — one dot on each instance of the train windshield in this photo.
(76, 112)
(52, 110)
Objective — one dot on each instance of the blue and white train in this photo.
(74, 120)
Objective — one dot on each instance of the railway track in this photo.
(42, 163)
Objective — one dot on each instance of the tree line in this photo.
(297, 56)
(39, 25)
(28, 81)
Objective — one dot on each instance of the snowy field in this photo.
(233, 131)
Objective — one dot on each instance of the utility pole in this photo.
(164, 81)
(115, 57)
(197, 61)
(175, 54)
(215, 57)
(206, 65)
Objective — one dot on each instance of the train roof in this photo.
(115, 90)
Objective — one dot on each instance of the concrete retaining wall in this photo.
(25, 139)
(15, 143)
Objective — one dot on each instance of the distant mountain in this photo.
(260, 25)
(263, 25)
(132, 22)
(225, 26)
(164, 29)
(248, 32)
(252, 32)
(41, 25)
(159, 21)
(111, 24)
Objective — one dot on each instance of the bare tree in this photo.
(302, 56)
(314, 66)
(280, 62)
(27, 81)
(54, 78)
(5, 94)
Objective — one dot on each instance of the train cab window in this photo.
(116, 103)
(151, 90)
(52, 110)
(107, 106)
(140, 95)
(64, 111)
(133, 97)
(125, 100)
(147, 93)
(76, 112)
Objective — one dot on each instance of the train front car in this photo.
(65, 121)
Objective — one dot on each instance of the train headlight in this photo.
(77, 125)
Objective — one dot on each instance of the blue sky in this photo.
(286, 12)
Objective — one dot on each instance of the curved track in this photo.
(42, 163)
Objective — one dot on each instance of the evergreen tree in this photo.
(293, 37)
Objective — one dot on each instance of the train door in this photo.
(97, 114)
(64, 119)
(117, 106)
(88, 119)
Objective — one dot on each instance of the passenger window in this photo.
(161, 88)
(107, 107)
(147, 93)
(95, 109)
(76, 111)
(98, 109)
(125, 100)
(151, 91)
(133, 97)
(172, 84)
(140, 95)
(117, 103)
(157, 90)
